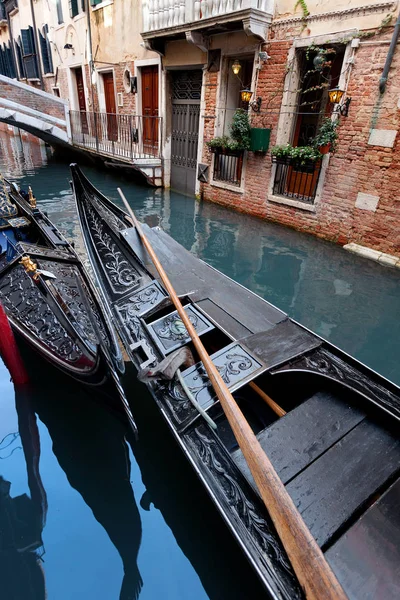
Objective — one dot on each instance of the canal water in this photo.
(101, 518)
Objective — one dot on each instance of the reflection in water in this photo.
(22, 517)
(98, 467)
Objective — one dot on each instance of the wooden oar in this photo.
(313, 572)
(278, 410)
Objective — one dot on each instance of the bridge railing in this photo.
(124, 136)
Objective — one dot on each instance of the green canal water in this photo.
(110, 520)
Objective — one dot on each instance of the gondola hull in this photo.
(54, 308)
(337, 449)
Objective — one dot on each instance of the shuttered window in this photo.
(59, 12)
(29, 54)
(18, 52)
(73, 8)
(45, 49)
(6, 61)
(95, 2)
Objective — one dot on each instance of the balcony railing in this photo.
(163, 14)
(298, 182)
(228, 167)
(123, 136)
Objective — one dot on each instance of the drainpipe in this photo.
(91, 64)
(35, 37)
(389, 58)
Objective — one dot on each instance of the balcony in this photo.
(178, 18)
(297, 182)
(133, 140)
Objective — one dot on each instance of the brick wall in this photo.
(24, 95)
(356, 167)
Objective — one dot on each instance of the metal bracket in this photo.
(145, 346)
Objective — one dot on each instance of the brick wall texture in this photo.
(355, 167)
(25, 97)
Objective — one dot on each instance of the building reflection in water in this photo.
(90, 446)
(22, 516)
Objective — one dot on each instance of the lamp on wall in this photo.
(335, 96)
(246, 95)
(236, 66)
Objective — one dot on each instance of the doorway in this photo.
(111, 107)
(80, 93)
(149, 76)
(186, 95)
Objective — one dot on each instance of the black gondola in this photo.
(337, 448)
(49, 298)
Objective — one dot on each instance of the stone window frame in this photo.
(287, 118)
(226, 57)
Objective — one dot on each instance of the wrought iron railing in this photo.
(296, 181)
(124, 136)
(228, 167)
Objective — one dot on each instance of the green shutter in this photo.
(73, 8)
(95, 2)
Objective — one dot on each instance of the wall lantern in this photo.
(236, 66)
(319, 61)
(335, 96)
(246, 95)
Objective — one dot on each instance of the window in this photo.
(18, 51)
(46, 50)
(319, 70)
(95, 2)
(29, 54)
(6, 61)
(59, 12)
(75, 7)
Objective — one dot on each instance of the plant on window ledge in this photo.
(299, 156)
(240, 136)
(326, 138)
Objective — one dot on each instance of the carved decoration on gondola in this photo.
(23, 300)
(71, 288)
(141, 301)
(323, 362)
(120, 273)
(212, 455)
(233, 366)
(173, 328)
(34, 249)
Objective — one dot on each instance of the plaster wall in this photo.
(286, 8)
(181, 53)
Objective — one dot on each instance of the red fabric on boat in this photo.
(9, 351)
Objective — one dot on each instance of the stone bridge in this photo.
(48, 117)
(35, 111)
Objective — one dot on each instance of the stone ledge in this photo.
(384, 259)
(290, 202)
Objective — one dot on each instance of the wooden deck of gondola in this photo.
(337, 450)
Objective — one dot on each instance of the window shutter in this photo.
(29, 55)
(95, 2)
(46, 51)
(21, 65)
(73, 8)
(10, 62)
(59, 12)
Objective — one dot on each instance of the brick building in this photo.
(173, 71)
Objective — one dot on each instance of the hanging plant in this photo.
(326, 138)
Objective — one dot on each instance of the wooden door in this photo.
(150, 108)
(111, 108)
(80, 88)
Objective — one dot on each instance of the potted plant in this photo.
(304, 158)
(282, 154)
(240, 129)
(327, 136)
(218, 144)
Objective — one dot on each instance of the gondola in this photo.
(335, 443)
(49, 298)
